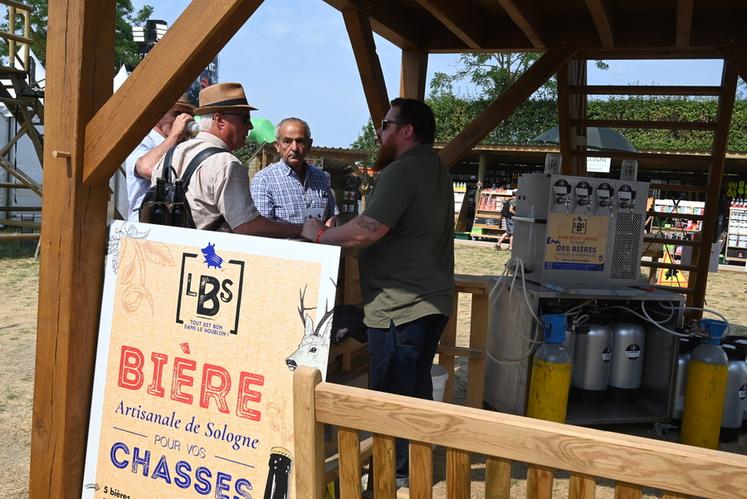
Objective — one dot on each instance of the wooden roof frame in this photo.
(89, 132)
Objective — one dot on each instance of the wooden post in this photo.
(504, 105)
(79, 75)
(308, 435)
(713, 193)
(571, 107)
(413, 74)
(369, 67)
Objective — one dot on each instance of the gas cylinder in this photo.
(551, 373)
(591, 364)
(686, 348)
(626, 368)
(736, 393)
(707, 374)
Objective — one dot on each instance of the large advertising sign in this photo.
(199, 335)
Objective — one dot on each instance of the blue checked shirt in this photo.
(279, 194)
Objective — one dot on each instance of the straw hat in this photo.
(223, 97)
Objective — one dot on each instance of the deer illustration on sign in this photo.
(313, 349)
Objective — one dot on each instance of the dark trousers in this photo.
(400, 359)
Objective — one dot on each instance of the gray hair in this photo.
(306, 129)
(205, 121)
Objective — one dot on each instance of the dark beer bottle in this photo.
(278, 472)
(178, 209)
(160, 212)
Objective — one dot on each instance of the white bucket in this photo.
(439, 376)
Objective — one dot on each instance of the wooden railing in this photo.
(588, 454)
(448, 349)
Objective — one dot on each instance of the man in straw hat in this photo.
(218, 193)
(169, 131)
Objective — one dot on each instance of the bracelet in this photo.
(319, 234)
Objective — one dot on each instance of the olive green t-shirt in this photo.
(409, 273)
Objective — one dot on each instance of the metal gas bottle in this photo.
(626, 369)
(736, 393)
(680, 384)
(707, 374)
(592, 362)
(551, 373)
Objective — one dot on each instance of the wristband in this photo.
(319, 234)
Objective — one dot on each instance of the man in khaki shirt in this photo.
(218, 192)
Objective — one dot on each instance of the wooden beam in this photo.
(402, 27)
(571, 107)
(735, 55)
(684, 22)
(413, 74)
(601, 13)
(527, 18)
(188, 46)
(715, 176)
(464, 23)
(369, 67)
(80, 58)
(504, 104)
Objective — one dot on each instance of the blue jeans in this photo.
(399, 361)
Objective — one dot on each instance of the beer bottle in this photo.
(160, 212)
(277, 475)
(178, 210)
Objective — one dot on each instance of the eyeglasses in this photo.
(385, 123)
(246, 118)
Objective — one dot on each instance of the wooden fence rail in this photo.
(588, 454)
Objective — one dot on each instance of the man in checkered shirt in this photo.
(292, 190)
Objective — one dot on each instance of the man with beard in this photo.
(292, 190)
(406, 236)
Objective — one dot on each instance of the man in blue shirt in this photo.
(292, 190)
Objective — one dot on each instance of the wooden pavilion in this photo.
(89, 132)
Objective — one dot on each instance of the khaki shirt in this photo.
(218, 193)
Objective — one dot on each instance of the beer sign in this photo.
(199, 335)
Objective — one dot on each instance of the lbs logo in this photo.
(210, 292)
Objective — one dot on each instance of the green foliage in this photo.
(671, 109)
(125, 50)
(245, 152)
(366, 141)
(536, 116)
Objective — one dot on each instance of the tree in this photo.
(125, 50)
(492, 74)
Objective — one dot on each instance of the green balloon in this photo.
(263, 131)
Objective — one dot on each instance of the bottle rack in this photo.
(488, 221)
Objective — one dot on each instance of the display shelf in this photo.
(488, 222)
(736, 238)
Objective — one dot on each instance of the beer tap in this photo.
(562, 192)
(583, 195)
(627, 197)
(605, 194)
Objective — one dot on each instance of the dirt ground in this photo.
(727, 291)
